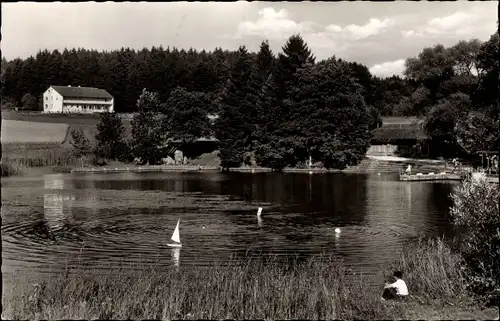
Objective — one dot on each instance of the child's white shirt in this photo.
(400, 286)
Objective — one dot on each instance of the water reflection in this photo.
(53, 201)
(176, 256)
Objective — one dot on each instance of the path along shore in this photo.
(392, 164)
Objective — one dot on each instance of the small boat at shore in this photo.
(176, 237)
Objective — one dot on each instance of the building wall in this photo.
(385, 150)
(52, 101)
(87, 107)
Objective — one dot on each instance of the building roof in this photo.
(82, 92)
(386, 135)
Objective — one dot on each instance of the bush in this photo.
(475, 212)
(432, 271)
(9, 169)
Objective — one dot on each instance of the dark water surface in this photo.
(60, 220)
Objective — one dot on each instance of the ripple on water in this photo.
(73, 223)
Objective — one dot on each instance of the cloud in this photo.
(450, 22)
(389, 68)
(459, 24)
(278, 25)
(271, 24)
(373, 27)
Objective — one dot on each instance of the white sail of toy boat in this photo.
(176, 237)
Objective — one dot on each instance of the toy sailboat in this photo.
(176, 237)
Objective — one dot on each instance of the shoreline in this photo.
(320, 288)
(193, 168)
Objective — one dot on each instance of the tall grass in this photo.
(20, 158)
(251, 289)
(38, 157)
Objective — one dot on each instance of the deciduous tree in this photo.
(148, 129)
(186, 115)
(329, 118)
(29, 102)
(110, 139)
(80, 143)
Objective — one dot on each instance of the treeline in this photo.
(277, 110)
(125, 72)
(456, 94)
(285, 108)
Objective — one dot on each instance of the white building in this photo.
(67, 99)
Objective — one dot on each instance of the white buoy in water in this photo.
(337, 230)
(259, 211)
(203, 227)
(378, 174)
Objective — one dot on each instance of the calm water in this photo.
(60, 220)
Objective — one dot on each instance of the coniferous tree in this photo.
(232, 129)
(277, 149)
(295, 55)
(252, 104)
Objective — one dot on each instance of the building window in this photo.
(46, 105)
(46, 98)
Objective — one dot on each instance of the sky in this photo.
(379, 35)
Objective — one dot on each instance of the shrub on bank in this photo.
(475, 211)
(320, 288)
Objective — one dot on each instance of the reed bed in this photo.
(19, 159)
(254, 288)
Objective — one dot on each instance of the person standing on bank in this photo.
(396, 290)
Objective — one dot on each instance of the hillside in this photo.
(36, 128)
(15, 132)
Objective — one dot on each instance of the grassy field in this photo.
(51, 123)
(34, 140)
(252, 289)
(14, 131)
(80, 119)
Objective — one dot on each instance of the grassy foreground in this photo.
(252, 289)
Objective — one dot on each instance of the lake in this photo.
(65, 220)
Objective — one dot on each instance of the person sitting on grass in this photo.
(397, 290)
